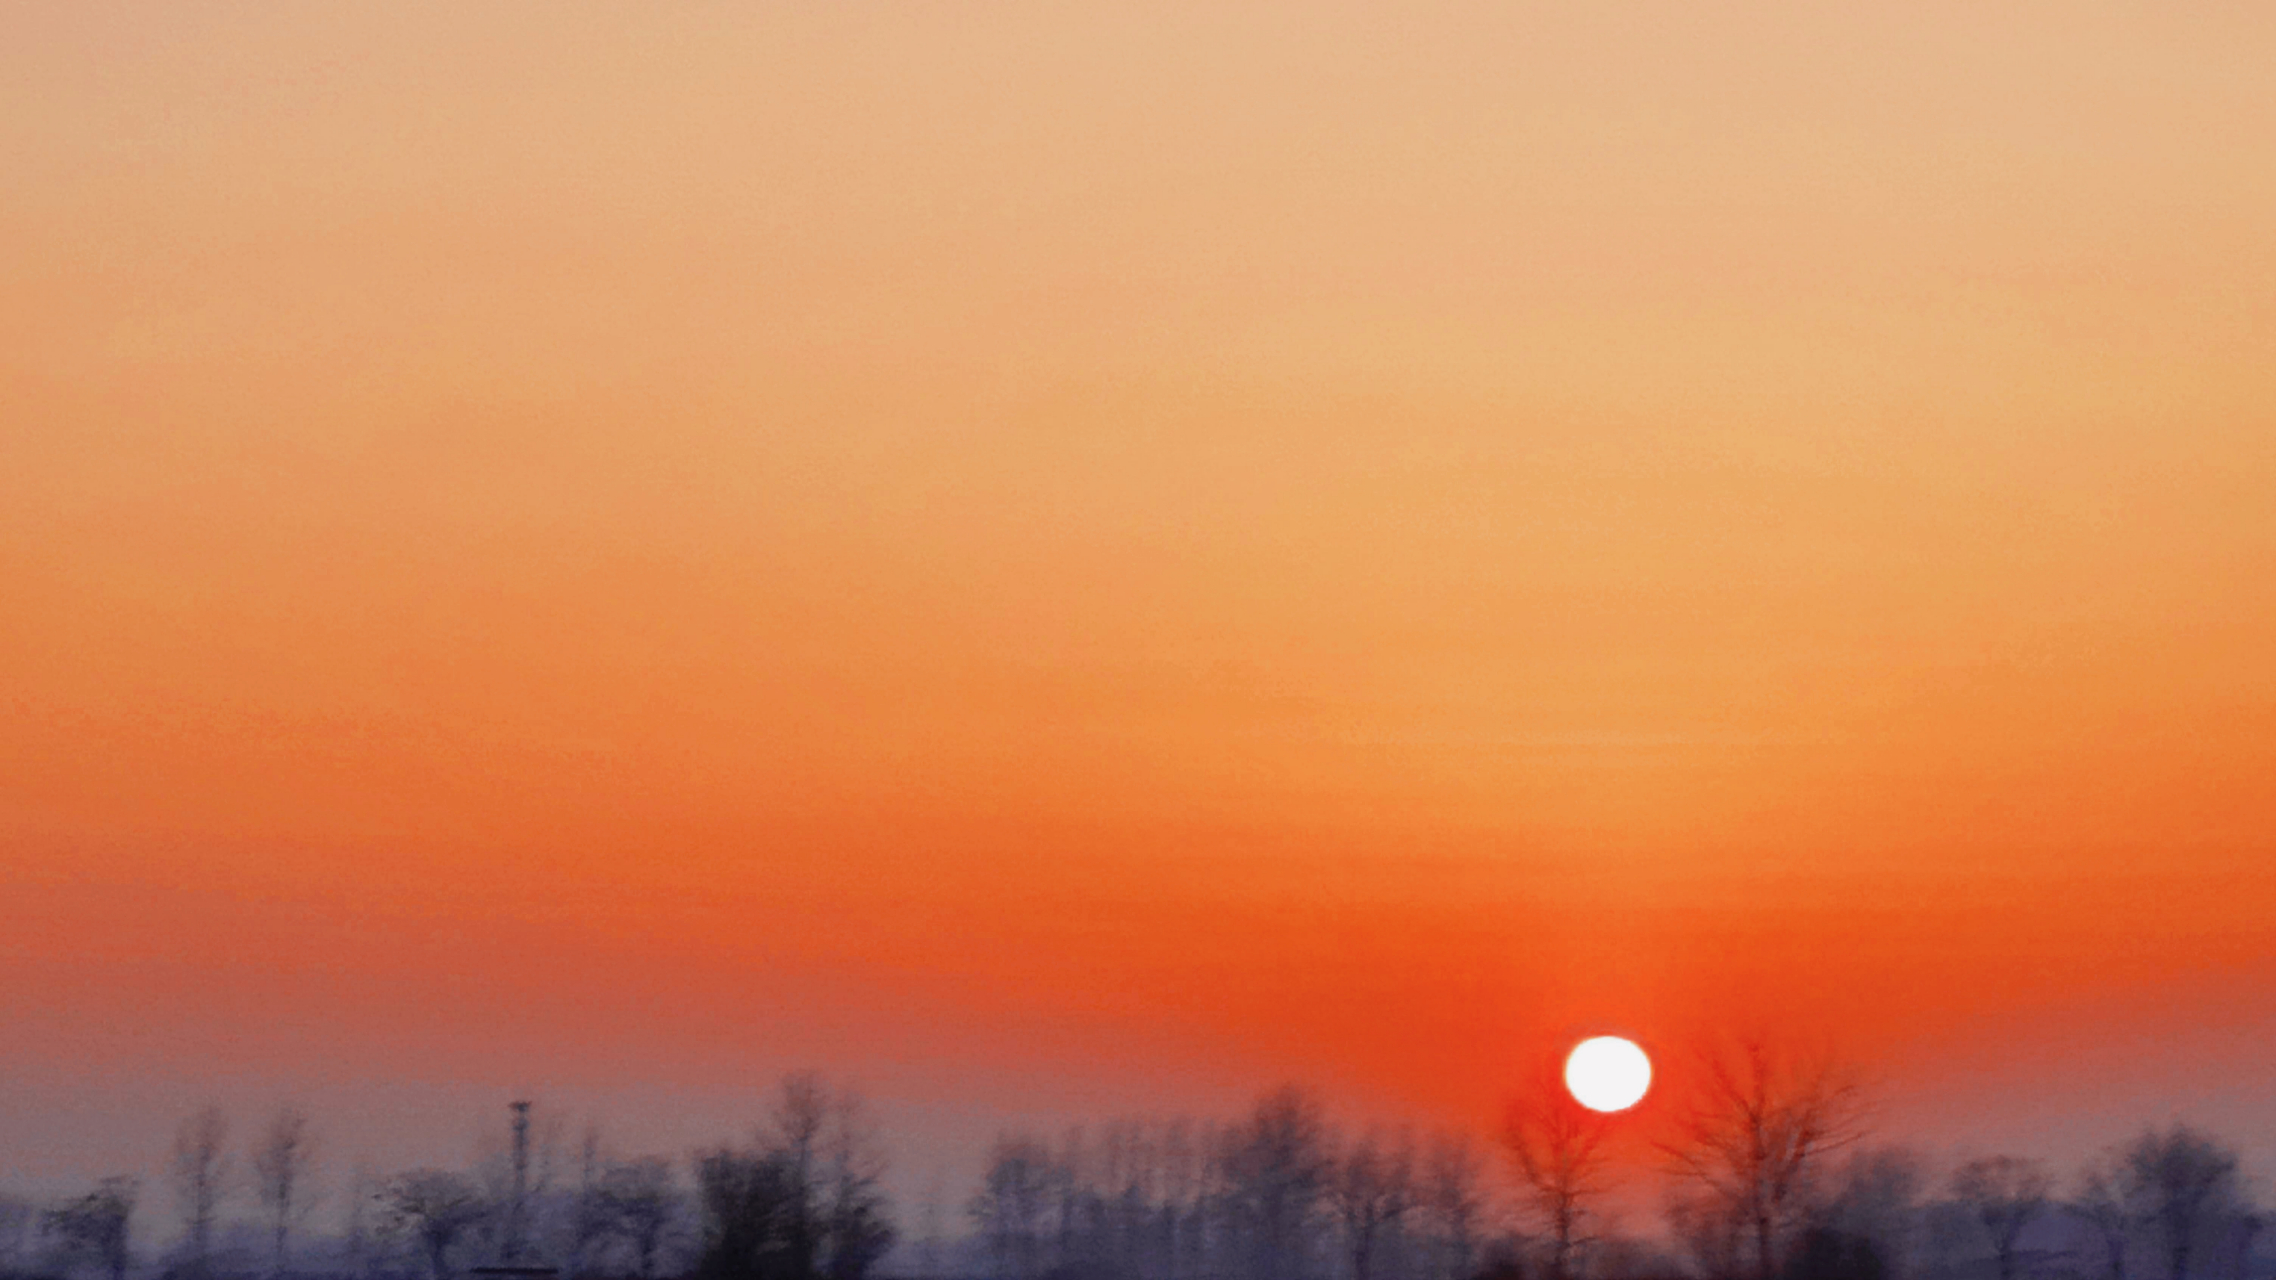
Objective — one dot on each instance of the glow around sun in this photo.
(1607, 1073)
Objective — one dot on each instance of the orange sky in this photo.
(1066, 558)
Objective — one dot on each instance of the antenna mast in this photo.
(517, 1213)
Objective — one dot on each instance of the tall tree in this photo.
(746, 1200)
(856, 1227)
(1275, 1166)
(794, 1139)
(1184, 1170)
(1557, 1146)
(356, 1230)
(1452, 1205)
(639, 1201)
(94, 1227)
(1707, 1225)
(803, 1204)
(2100, 1201)
(281, 1161)
(2005, 1194)
(2182, 1179)
(1015, 1192)
(1070, 1198)
(1371, 1189)
(1877, 1206)
(588, 1222)
(435, 1209)
(200, 1168)
(929, 1227)
(1763, 1122)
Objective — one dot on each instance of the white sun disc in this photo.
(1607, 1073)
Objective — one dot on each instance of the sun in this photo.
(1607, 1073)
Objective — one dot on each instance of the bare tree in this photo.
(1067, 1195)
(2099, 1200)
(200, 1171)
(1275, 1165)
(1008, 1212)
(1184, 1161)
(1371, 1189)
(1195, 1190)
(794, 1132)
(435, 1209)
(2182, 1179)
(549, 1140)
(746, 1200)
(805, 1202)
(94, 1227)
(1763, 1123)
(856, 1228)
(1557, 1147)
(356, 1230)
(1451, 1204)
(281, 1163)
(1129, 1177)
(1877, 1206)
(2005, 1193)
(929, 1228)
(1708, 1227)
(639, 1201)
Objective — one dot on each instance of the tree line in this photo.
(1766, 1170)
(799, 1200)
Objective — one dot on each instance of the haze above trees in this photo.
(1771, 1173)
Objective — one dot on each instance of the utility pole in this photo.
(517, 1214)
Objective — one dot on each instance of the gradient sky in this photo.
(1070, 558)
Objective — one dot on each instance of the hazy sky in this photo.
(1071, 558)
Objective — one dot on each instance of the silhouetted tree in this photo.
(1762, 1124)
(1370, 1189)
(857, 1230)
(1557, 1146)
(1069, 1201)
(2099, 1201)
(795, 1130)
(929, 1228)
(2004, 1193)
(588, 1218)
(804, 1204)
(747, 1200)
(2181, 1179)
(1008, 1212)
(1193, 1183)
(94, 1228)
(1451, 1205)
(1125, 1223)
(200, 1170)
(638, 1201)
(435, 1210)
(1877, 1199)
(1275, 1166)
(280, 1177)
(356, 1224)
(1708, 1227)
